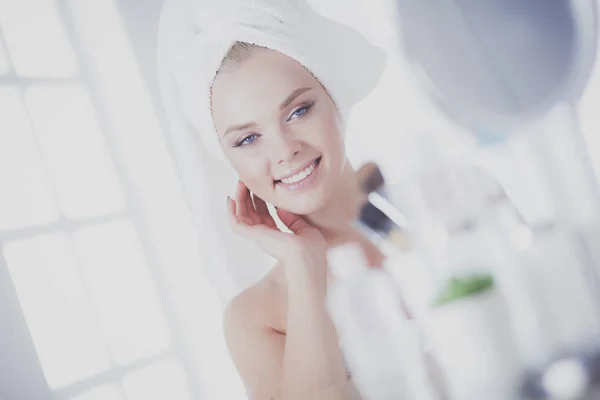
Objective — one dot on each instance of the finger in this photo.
(292, 221)
(286, 217)
(236, 224)
(261, 234)
(231, 213)
(263, 211)
(241, 204)
(232, 210)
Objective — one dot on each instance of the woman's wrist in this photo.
(306, 272)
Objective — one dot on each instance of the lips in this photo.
(300, 175)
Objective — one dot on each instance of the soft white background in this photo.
(101, 289)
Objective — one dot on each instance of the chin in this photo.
(307, 204)
(304, 210)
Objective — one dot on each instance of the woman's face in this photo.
(280, 130)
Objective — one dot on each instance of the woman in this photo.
(292, 155)
(280, 128)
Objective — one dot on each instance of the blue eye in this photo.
(302, 111)
(248, 140)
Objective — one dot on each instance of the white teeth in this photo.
(299, 176)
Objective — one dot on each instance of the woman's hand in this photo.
(252, 220)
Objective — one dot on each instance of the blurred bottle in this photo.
(380, 347)
(385, 225)
(470, 345)
(473, 338)
(473, 341)
(547, 171)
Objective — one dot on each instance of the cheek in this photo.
(252, 172)
(333, 143)
(248, 169)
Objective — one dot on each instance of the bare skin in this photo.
(288, 301)
(279, 334)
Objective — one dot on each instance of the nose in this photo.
(285, 148)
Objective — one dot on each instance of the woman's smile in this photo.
(302, 179)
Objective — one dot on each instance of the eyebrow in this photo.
(293, 96)
(296, 93)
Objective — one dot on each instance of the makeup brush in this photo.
(370, 177)
(378, 213)
(385, 225)
(379, 219)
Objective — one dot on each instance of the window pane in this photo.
(36, 39)
(105, 392)
(4, 61)
(123, 291)
(163, 380)
(76, 151)
(26, 195)
(60, 317)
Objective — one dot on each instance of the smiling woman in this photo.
(279, 98)
(291, 155)
(295, 132)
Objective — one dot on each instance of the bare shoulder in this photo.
(255, 307)
(245, 308)
(252, 335)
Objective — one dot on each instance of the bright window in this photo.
(83, 171)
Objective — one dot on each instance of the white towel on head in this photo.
(198, 39)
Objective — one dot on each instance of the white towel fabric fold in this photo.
(345, 63)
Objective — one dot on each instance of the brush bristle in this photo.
(370, 177)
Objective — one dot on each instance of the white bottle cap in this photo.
(346, 261)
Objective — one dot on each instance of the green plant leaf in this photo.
(460, 287)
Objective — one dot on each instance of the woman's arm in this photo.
(312, 357)
(307, 362)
